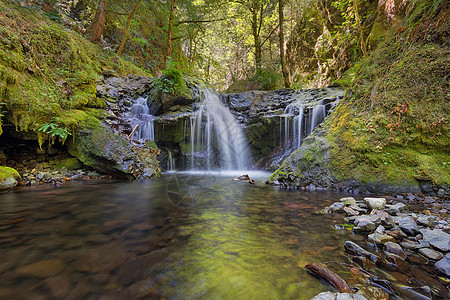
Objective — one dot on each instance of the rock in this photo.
(414, 245)
(110, 226)
(103, 259)
(134, 269)
(425, 221)
(386, 219)
(348, 200)
(9, 178)
(59, 286)
(431, 254)
(380, 239)
(350, 212)
(397, 234)
(395, 209)
(368, 223)
(336, 207)
(437, 238)
(443, 265)
(355, 249)
(375, 203)
(338, 296)
(441, 193)
(408, 225)
(394, 248)
(43, 269)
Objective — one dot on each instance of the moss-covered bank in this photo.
(392, 129)
(9, 178)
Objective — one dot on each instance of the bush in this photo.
(269, 79)
(171, 81)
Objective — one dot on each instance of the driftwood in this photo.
(332, 278)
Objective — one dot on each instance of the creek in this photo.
(211, 238)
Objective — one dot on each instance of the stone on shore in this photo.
(348, 200)
(437, 238)
(368, 223)
(408, 225)
(431, 254)
(375, 203)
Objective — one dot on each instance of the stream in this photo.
(183, 236)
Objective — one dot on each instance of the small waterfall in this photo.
(318, 114)
(170, 161)
(215, 136)
(142, 117)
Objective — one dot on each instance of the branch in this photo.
(270, 34)
(202, 21)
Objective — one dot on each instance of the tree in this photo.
(95, 31)
(170, 31)
(127, 28)
(284, 70)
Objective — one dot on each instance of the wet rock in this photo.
(372, 292)
(43, 269)
(348, 200)
(395, 209)
(368, 223)
(59, 286)
(134, 269)
(408, 225)
(397, 234)
(386, 219)
(355, 249)
(394, 248)
(431, 254)
(103, 259)
(380, 239)
(338, 296)
(375, 203)
(414, 245)
(9, 178)
(335, 207)
(425, 221)
(114, 225)
(350, 212)
(443, 265)
(437, 238)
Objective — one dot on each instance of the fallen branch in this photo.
(134, 130)
(334, 279)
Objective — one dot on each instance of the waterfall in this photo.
(142, 117)
(216, 139)
(318, 115)
(170, 161)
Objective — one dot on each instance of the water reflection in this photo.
(224, 239)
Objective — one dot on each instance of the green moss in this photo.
(7, 172)
(47, 69)
(71, 163)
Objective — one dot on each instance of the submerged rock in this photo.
(338, 296)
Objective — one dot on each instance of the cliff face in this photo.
(392, 128)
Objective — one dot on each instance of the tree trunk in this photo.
(283, 62)
(170, 34)
(127, 28)
(360, 30)
(95, 31)
(257, 40)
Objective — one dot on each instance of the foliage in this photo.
(171, 81)
(269, 79)
(54, 130)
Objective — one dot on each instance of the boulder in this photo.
(9, 178)
(437, 238)
(443, 265)
(375, 203)
(408, 225)
(335, 207)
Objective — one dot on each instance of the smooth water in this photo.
(141, 117)
(183, 236)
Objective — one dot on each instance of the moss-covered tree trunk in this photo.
(170, 33)
(95, 31)
(127, 28)
(281, 35)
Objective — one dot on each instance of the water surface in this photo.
(183, 236)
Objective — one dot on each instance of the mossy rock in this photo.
(9, 178)
(71, 163)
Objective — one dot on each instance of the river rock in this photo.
(43, 269)
(431, 254)
(395, 209)
(414, 245)
(338, 296)
(443, 265)
(348, 200)
(9, 178)
(425, 221)
(368, 223)
(350, 212)
(437, 238)
(355, 249)
(135, 268)
(336, 207)
(394, 248)
(375, 203)
(408, 225)
(59, 286)
(380, 239)
(103, 259)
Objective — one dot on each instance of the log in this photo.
(332, 278)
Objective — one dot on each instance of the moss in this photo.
(47, 69)
(9, 178)
(71, 163)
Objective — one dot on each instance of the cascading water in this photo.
(317, 115)
(216, 139)
(143, 119)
